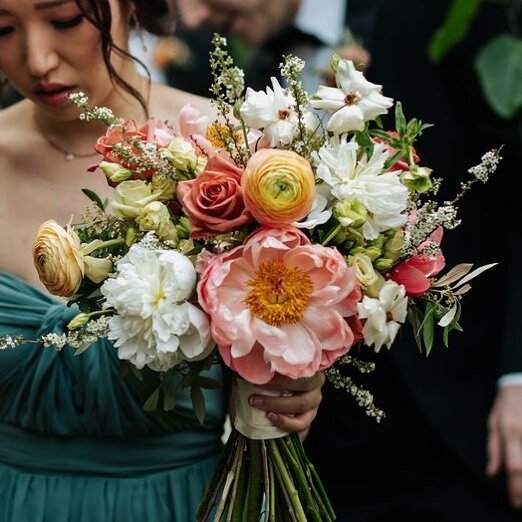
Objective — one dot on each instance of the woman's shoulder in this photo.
(15, 124)
(168, 101)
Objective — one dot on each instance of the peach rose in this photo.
(278, 187)
(213, 201)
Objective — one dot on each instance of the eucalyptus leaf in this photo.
(474, 274)
(198, 403)
(95, 198)
(453, 275)
(151, 404)
(454, 28)
(448, 316)
(463, 290)
(499, 67)
(428, 327)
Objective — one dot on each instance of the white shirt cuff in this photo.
(323, 19)
(510, 379)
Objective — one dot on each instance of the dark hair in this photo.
(154, 16)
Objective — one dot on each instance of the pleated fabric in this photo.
(75, 442)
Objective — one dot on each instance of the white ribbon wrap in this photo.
(251, 422)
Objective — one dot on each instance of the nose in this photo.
(41, 55)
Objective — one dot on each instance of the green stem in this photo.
(255, 490)
(266, 481)
(287, 448)
(287, 482)
(315, 479)
(229, 452)
(332, 234)
(105, 244)
(272, 495)
(230, 480)
(232, 513)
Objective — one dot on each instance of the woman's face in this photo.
(48, 49)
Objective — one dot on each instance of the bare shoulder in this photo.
(15, 132)
(167, 102)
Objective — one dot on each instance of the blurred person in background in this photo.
(450, 448)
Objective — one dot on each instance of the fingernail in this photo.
(255, 400)
(272, 416)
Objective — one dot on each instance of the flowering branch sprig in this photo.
(88, 113)
(226, 89)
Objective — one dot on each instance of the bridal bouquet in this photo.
(280, 235)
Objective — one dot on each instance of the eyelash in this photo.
(4, 31)
(68, 24)
(57, 24)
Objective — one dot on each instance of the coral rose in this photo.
(414, 273)
(278, 187)
(61, 261)
(279, 304)
(213, 201)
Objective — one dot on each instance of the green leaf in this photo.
(413, 316)
(499, 67)
(400, 119)
(454, 28)
(198, 403)
(169, 398)
(94, 197)
(428, 327)
(151, 404)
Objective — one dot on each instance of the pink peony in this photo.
(213, 201)
(414, 273)
(279, 304)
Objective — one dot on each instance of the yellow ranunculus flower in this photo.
(62, 262)
(278, 187)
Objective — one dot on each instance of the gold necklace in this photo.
(68, 155)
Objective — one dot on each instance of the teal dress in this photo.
(75, 443)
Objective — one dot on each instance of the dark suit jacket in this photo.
(449, 394)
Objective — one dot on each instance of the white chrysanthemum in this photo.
(381, 193)
(154, 324)
(273, 111)
(383, 315)
(355, 102)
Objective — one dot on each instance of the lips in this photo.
(53, 94)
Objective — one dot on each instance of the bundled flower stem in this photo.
(261, 479)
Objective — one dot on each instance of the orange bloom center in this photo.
(220, 134)
(279, 294)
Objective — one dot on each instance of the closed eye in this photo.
(67, 24)
(4, 31)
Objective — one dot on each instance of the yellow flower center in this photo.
(219, 135)
(279, 294)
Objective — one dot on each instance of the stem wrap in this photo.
(249, 421)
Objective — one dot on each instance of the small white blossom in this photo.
(488, 164)
(383, 315)
(273, 112)
(355, 102)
